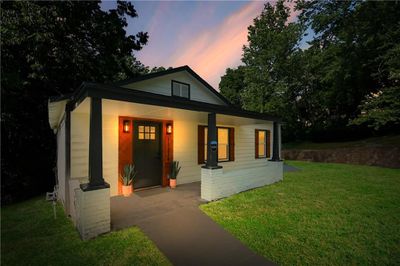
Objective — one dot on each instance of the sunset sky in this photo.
(207, 36)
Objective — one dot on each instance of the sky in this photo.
(207, 36)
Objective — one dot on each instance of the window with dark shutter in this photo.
(226, 144)
(262, 143)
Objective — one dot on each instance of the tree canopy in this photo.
(344, 80)
(48, 49)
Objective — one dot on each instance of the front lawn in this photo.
(332, 214)
(31, 236)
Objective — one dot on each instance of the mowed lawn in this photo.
(326, 214)
(31, 236)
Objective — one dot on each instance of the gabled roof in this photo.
(116, 92)
(171, 71)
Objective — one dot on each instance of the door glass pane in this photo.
(141, 128)
(141, 135)
(152, 129)
(152, 136)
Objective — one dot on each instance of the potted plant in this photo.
(127, 176)
(175, 168)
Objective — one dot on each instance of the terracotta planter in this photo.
(127, 191)
(172, 183)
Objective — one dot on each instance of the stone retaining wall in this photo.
(375, 156)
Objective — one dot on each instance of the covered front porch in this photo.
(122, 139)
(101, 145)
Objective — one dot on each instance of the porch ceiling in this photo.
(120, 108)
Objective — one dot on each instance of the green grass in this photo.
(386, 141)
(31, 236)
(326, 214)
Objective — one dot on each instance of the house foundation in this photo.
(217, 184)
(92, 212)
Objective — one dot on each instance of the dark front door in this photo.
(147, 154)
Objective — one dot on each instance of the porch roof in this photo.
(113, 92)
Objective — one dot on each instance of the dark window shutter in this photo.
(268, 136)
(256, 143)
(231, 144)
(200, 144)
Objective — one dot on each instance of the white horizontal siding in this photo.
(79, 145)
(185, 142)
(80, 148)
(185, 150)
(61, 163)
(110, 152)
(162, 85)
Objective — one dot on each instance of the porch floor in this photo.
(172, 220)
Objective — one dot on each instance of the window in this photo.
(262, 143)
(147, 132)
(223, 144)
(180, 89)
(225, 147)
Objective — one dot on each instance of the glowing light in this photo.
(169, 128)
(126, 126)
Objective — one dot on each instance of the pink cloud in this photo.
(214, 50)
(210, 51)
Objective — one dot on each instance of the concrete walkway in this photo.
(172, 220)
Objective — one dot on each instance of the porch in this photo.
(153, 203)
(120, 141)
(100, 145)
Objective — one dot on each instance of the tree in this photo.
(272, 64)
(382, 109)
(353, 40)
(273, 42)
(345, 79)
(48, 49)
(232, 84)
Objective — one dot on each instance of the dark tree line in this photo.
(48, 49)
(344, 84)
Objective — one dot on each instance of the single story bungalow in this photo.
(151, 121)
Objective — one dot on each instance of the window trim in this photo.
(179, 82)
(231, 144)
(267, 143)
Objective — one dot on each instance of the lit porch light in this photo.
(169, 128)
(126, 126)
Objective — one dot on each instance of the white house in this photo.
(151, 121)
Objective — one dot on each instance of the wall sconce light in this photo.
(169, 128)
(126, 126)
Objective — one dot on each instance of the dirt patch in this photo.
(376, 156)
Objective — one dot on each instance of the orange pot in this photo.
(172, 183)
(126, 191)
